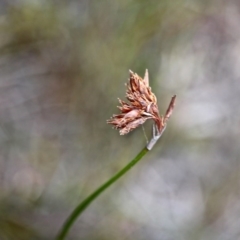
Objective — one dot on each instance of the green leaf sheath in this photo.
(84, 204)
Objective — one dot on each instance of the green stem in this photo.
(84, 204)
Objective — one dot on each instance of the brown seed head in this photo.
(142, 105)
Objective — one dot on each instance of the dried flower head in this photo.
(142, 105)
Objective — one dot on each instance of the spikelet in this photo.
(141, 106)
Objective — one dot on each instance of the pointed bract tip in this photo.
(146, 77)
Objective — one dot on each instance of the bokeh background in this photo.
(62, 66)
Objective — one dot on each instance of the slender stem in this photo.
(84, 204)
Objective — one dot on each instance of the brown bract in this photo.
(142, 105)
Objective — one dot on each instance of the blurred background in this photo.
(63, 64)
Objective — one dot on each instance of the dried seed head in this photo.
(141, 107)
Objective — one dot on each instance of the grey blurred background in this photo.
(62, 66)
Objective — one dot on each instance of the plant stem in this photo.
(84, 204)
